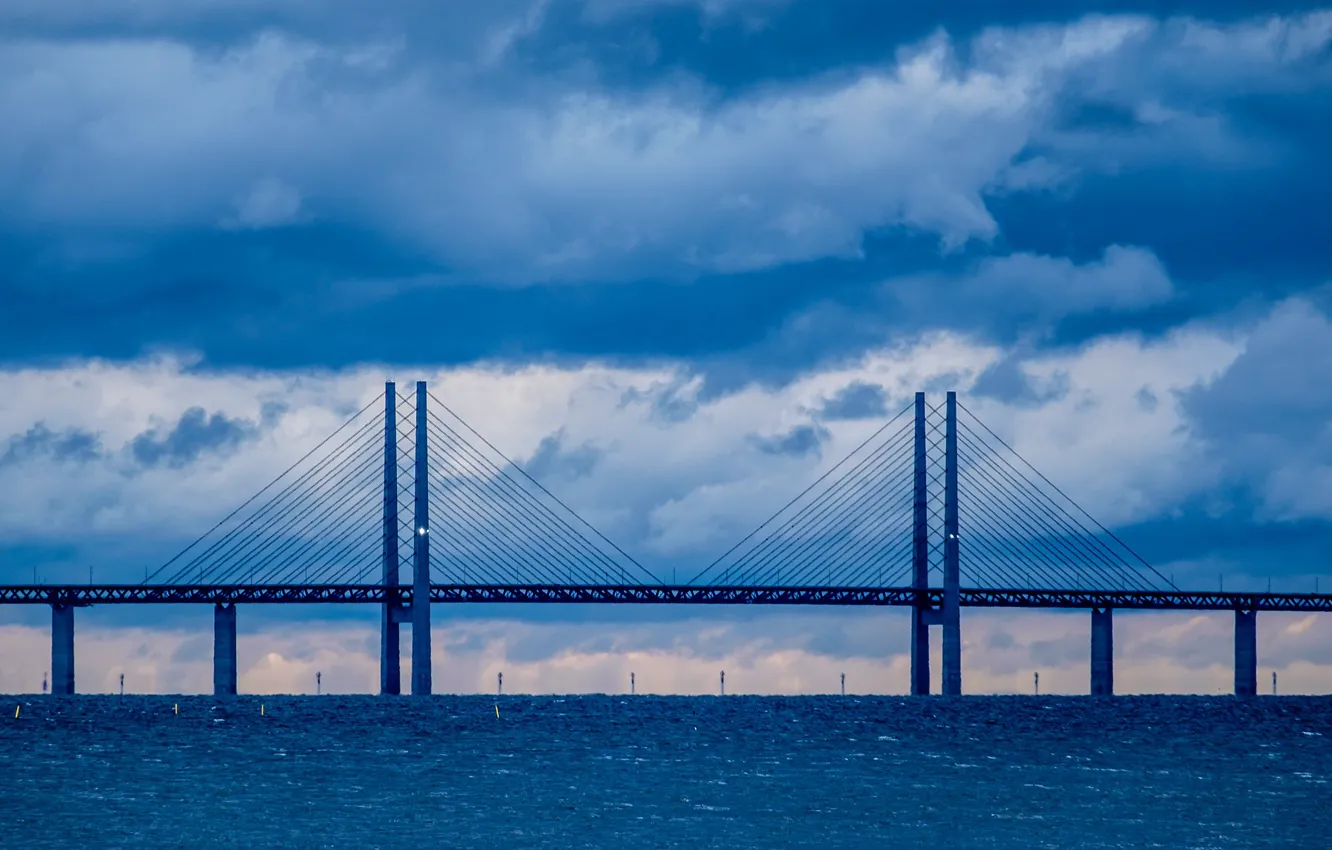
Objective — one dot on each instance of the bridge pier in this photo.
(62, 650)
(1102, 652)
(1246, 653)
(390, 653)
(224, 650)
(920, 651)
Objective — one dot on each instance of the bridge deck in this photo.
(110, 594)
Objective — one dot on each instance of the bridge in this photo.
(933, 512)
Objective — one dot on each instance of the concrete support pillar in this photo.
(62, 649)
(920, 651)
(1102, 652)
(390, 653)
(421, 553)
(952, 611)
(920, 560)
(1246, 653)
(224, 650)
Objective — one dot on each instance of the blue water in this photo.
(598, 771)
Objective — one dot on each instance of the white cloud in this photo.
(570, 179)
(1258, 43)
(602, 10)
(268, 203)
(1034, 290)
(1127, 460)
(676, 489)
(1264, 422)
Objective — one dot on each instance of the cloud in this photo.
(268, 203)
(135, 484)
(553, 461)
(69, 445)
(548, 179)
(1005, 381)
(668, 490)
(672, 402)
(1029, 292)
(196, 432)
(271, 189)
(1262, 420)
(801, 440)
(856, 401)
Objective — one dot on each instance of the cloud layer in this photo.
(158, 451)
(125, 141)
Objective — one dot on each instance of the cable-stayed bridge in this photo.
(406, 505)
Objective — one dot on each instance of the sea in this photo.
(644, 771)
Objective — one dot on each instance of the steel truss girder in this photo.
(77, 594)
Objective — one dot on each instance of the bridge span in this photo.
(63, 599)
(80, 595)
(933, 512)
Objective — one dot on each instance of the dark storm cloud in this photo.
(1147, 400)
(71, 444)
(1007, 382)
(670, 403)
(1263, 422)
(799, 441)
(856, 401)
(1272, 387)
(196, 433)
(1215, 535)
(284, 276)
(554, 460)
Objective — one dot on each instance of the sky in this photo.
(674, 255)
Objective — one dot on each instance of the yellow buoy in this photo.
(16, 711)
(497, 711)
(176, 708)
(261, 709)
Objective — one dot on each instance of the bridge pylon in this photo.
(394, 611)
(952, 566)
(421, 552)
(949, 615)
(390, 669)
(922, 614)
